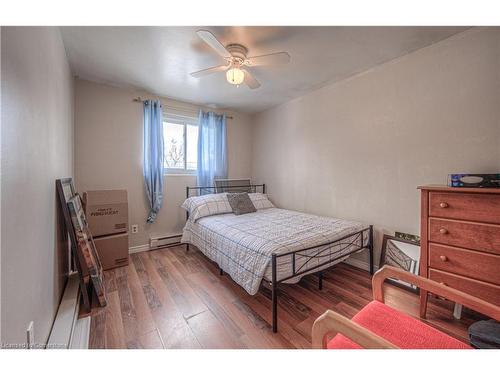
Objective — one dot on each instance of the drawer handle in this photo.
(444, 258)
(444, 284)
(443, 231)
(443, 204)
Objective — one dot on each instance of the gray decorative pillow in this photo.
(240, 203)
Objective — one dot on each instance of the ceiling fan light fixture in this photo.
(235, 76)
(236, 58)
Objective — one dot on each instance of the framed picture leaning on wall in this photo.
(86, 245)
(401, 253)
(65, 192)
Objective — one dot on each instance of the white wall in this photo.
(359, 148)
(108, 154)
(37, 148)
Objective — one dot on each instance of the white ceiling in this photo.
(159, 59)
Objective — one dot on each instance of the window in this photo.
(180, 139)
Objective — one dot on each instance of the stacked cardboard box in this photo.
(107, 217)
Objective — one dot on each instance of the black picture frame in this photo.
(392, 255)
(65, 191)
(86, 247)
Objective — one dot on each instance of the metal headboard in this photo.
(223, 189)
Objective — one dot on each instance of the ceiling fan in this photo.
(237, 62)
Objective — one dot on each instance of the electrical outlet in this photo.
(135, 228)
(30, 339)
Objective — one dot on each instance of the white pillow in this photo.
(260, 201)
(207, 205)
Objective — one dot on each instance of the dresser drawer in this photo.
(476, 236)
(473, 207)
(486, 291)
(480, 266)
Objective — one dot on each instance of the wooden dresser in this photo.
(460, 240)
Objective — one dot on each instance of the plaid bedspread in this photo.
(242, 245)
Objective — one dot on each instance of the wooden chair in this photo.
(378, 326)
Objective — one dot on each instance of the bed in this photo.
(273, 245)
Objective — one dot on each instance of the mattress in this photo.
(243, 245)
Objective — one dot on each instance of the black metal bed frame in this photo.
(350, 240)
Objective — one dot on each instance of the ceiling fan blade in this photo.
(271, 59)
(212, 41)
(204, 72)
(250, 81)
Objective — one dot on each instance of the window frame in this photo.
(184, 121)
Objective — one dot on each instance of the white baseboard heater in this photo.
(165, 241)
(69, 332)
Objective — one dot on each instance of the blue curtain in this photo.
(212, 148)
(153, 156)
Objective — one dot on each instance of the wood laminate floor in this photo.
(172, 299)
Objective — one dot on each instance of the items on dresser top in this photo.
(107, 216)
(460, 240)
(474, 180)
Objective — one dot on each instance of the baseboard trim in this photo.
(81, 336)
(66, 317)
(69, 332)
(138, 249)
(143, 248)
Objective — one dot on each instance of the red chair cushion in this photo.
(398, 328)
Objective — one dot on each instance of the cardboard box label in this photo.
(106, 211)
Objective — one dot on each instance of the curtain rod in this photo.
(140, 100)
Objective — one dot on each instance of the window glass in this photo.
(181, 147)
(173, 138)
(192, 146)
